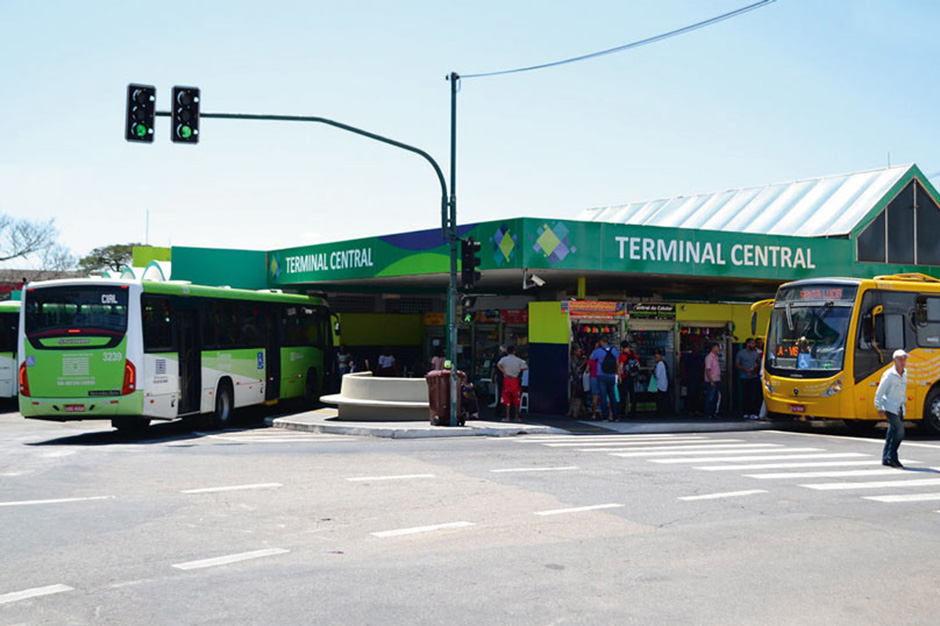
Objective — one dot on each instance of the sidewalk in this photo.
(324, 421)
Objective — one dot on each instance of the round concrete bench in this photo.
(364, 397)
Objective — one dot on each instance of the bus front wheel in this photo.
(222, 415)
(932, 411)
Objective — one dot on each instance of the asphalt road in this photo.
(262, 526)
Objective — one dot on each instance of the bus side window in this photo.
(926, 322)
(157, 324)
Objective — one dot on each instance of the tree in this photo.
(113, 257)
(33, 245)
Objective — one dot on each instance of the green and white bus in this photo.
(9, 321)
(132, 351)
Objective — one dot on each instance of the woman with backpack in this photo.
(606, 358)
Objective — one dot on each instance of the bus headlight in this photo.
(834, 388)
(769, 386)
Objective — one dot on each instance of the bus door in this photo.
(881, 331)
(190, 366)
(272, 349)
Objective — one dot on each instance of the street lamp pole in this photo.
(452, 236)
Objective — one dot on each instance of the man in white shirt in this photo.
(889, 400)
(512, 368)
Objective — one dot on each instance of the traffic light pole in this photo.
(448, 220)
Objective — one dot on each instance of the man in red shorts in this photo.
(512, 367)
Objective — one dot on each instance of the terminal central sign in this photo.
(712, 253)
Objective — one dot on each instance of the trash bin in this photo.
(439, 396)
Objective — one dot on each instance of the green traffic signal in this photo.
(186, 132)
(140, 130)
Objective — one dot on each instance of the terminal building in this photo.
(675, 273)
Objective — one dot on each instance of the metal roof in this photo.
(817, 207)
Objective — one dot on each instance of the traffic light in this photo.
(185, 115)
(141, 108)
(469, 262)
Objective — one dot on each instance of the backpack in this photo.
(633, 366)
(609, 364)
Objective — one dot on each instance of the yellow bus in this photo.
(830, 339)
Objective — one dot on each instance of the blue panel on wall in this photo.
(548, 378)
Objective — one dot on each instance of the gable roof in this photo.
(830, 206)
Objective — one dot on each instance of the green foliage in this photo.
(113, 257)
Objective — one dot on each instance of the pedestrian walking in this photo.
(747, 362)
(712, 382)
(512, 367)
(628, 372)
(595, 386)
(497, 379)
(889, 400)
(605, 356)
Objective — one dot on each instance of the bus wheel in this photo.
(222, 416)
(860, 427)
(311, 391)
(932, 411)
(130, 424)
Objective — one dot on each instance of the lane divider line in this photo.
(535, 469)
(36, 592)
(55, 501)
(233, 488)
(420, 529)
(400, 477)
(580, 509)
(231, 558)
(727, 494)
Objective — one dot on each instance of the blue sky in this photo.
(800, 88)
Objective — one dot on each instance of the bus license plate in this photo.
(797, 408)
(74, 408)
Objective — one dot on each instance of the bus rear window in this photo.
(63, 311)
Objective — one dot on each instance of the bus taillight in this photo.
(130, 379)
(24, 380)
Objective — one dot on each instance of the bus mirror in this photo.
(336, 327)
(753, 322)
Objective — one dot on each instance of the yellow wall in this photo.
(381, 329)
(548, 323)
(738, 314)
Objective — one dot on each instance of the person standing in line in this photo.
(712, 382)
(387, 367)
(437, 360)
(497, 378)
(889, 400)
(577, 366)
(747, 362)
(595, 387)
(628, 371)
(662, 382)
(343, 361)
(605, 356)
(512, 367)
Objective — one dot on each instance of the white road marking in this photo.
(879, 442)
(913, 497)
(642, 442)
(420, 529)
(232, 558)
(825, 474)
(753, 466)
(727, 494)
(878, 484)
(233, 488)
(56, 501)
(16, 596)
(579, 509)
(721, 448)
(535, 469)
(651, 437)
(400, 477)
(769, 457)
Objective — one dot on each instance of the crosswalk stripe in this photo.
(911, 497)
(721, 448)
(779, 457)
(562, 438)
(762, 466)
(826, 474)
(878, 484)
(629, 442)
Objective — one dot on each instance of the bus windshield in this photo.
(807, 338)
(76, 310)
